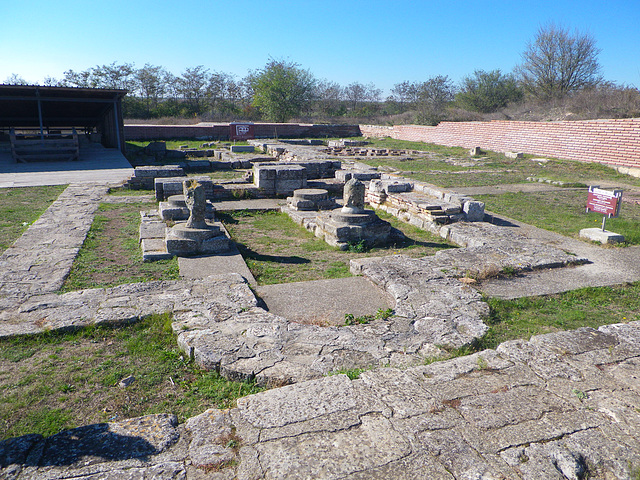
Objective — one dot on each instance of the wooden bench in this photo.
(51, 147)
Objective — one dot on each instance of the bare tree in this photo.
(329, 97)
(405, 93)
(51, 81)
(558, 62)
(15, 79)
(433, 96)
(151, 84)
(357, 94)
(192, 85)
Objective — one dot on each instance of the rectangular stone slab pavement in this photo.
(606, 266)
(560, 406)
(221, 263)
(324, 301)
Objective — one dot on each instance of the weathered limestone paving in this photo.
(560, 406)
(40, 260)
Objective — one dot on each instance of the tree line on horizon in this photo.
(557, 64)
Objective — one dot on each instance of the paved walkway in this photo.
(559, 406)
(324, 302)
(96, 164)
(605, 266)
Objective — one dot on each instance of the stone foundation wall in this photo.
(615, 142)
(279, 179)
(144, 177)
(422, 205)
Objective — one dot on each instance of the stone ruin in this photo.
(196, 236)
(352, 224)
(561, 405)
(310, 199)
(279, 179)
(195, 231)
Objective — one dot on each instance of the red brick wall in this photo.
(614, 141)
(221, 131)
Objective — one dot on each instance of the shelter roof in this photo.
(60, 106)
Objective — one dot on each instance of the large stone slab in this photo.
(482, 416)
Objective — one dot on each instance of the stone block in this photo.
(417, 221)
(451, 208)
(598, 235)
(156, 148)
(362, 175)
(242, 148)
(514, 155)
(432, 191)
(197, 166)
(397, 186)
(167, 187)
(182, 246)
(473, 211)
(152, 230)
(279, 179)
(215, 244)
(175, 154)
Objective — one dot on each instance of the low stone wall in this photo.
(614, 142)
(279, 179)
(220, 131)
(422, 205)
(144, 177)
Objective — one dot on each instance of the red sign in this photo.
(241, 131)
(606, 202)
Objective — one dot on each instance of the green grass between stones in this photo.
(111, 252)
(277, 250)
(59, 380)
(53, 381)
(564, 212)
(585, 307)
(20, 207)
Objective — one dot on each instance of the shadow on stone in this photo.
(251, 254)
(500, 222)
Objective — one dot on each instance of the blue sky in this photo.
(380, 41)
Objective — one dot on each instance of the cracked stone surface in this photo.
(562, 405)
(495, 414)
(40, 260)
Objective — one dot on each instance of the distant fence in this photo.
(615, 142)
(221, 131)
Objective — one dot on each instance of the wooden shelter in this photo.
(39, 118)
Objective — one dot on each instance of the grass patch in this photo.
(20, 207)
(453, 167)
(111, 252)
(175, 144)
(70, 379)
(277, 250)
(525, 317)
(387, 142)
(128, 192)
(585, 307)
(222, 175)
(563, 212)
